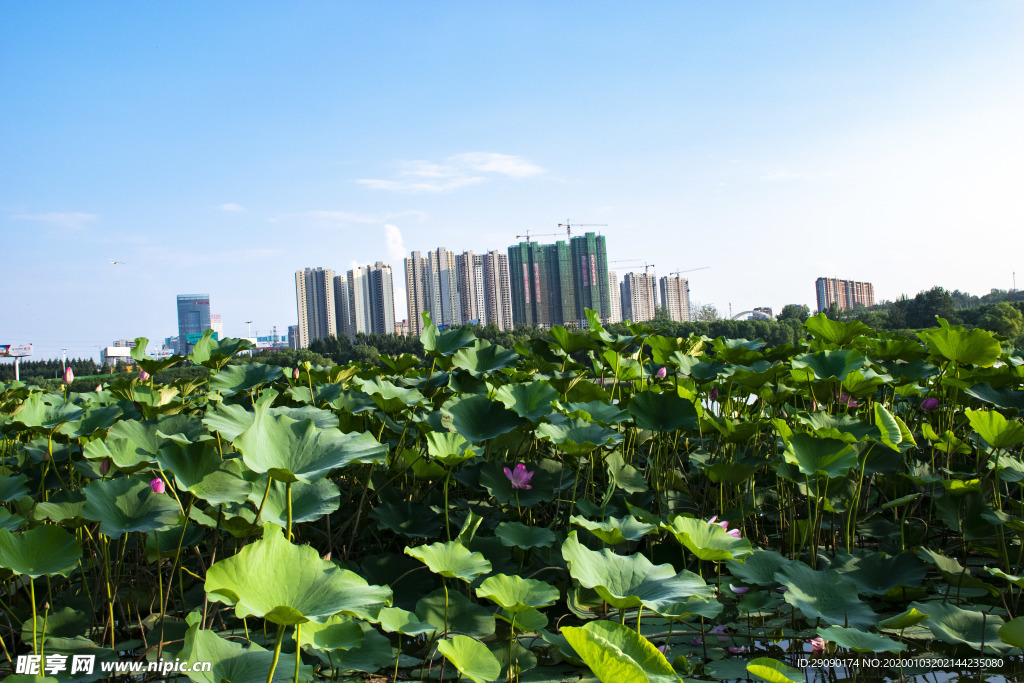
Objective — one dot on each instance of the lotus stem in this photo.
(277, 653)
(288, 495)
(298, 650)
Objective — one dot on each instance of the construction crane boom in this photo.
(543, 234)
(688, 270)
(569, 226)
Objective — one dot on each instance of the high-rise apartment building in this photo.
(365, 300)
(469, 270)
(497, 292)
(342, 305)
(314, 300)
(639, 297)
(614, 298)
(554, 284)
(675, 296)
(382, 299)
(843, 293)
(431, 285)
(217, 325)
(193, 319)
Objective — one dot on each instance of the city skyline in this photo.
(153, 149)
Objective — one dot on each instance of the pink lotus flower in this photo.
(736, 649)
(69, 376)
(520, 477)
(696, 641)
(295, 373)
(661, 373)
(158, 485)
(819, 644)
(738, 590)
(719, 631)
(714, 394)
(99, 388)
(929, 404)
(143, 376)
(735, 533)
(663, 649)
(848, 401)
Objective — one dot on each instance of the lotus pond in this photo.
(599, 506)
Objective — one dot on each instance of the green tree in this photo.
(799, 312)
(1003, 318)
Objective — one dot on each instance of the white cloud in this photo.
(230, 207)
(394, 241)
(68, 221)
(460, 170)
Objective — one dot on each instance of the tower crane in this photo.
(687, 270)
(633, 260)
(568, 226)
(543, 234)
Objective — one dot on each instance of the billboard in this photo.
(15, 350)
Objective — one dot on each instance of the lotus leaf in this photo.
(289, 584)
(518, 535)
(1012, 632)
(976, 347)
(707, 541)
(124, 505)
(595, 411)
(483, 358)
(529, 400)
(446, 343)
(397, 620)
(995, 429)
(664, 412)
(13, 522)
(617, 653)
(451, 559)
(462, 615)
(389, 397)
(43, 551)
(450, 448)
(954, 625)
(615, 530)
(291, 451)
(13, 487)
(826, 365)
(830, 457)
(631, 581)
(825, 595)
(860, 641)
(339, 632)
(411, 519)
(774, 671)
(471, 658)
(516, 594)
(231, 661)
(198, 468)
(903, 620)
(578, 437)
(47, 411)
(310, 500)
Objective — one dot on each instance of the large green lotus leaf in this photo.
(451, 448)
(830, 457)
(707, 541)
(626, 477)
(517, 535)
(229, 420)
(389, 397)
(198, 468)
(570, 342)
(843, 426)
(478, 418)
(124, 453)
(693, 607)
(835, 331)
(310, 500)
(63, 508)
(631, 581)
(826, 365)
(289, 584)
(483, 358)
(1012, 632)
(63, 623)
(617, 653)
(529, 400)
(180, 428)
(408, 518)
(451, 559)
(824, 595)
(996, 429)
(242, 378)
(398, 620)
(903, 620)
(860, 641)
(446, 343)
(888, 428)
(155, 397)
(665, 412)
(615, 530)
(353, 402)
(578, 437)
(370, 656)
(864, 383)
(101, 417)
(13, 487)
(214, 353)
(322, 393)
(877, 573)
(463, 615)
(595, 411)
(974, 347)
(124, 505)
(756, 375)
(1007, 399)
(774, 671)
(231, 661)
(298, 451)
(47, 411)
(951, 624)
(42, 551)
(339, 632)
(471, 658)
(517, 594)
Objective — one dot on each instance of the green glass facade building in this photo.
(554, 284)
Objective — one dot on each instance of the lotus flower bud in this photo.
(105, 467)
(143, 376)
(295, 373)
(819, 644)
(929, 404)
(660, 374)
(99, 388)
(158, 485)
(714, 394)
(738, 590)
(69, 376)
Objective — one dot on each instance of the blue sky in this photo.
(219, 147)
